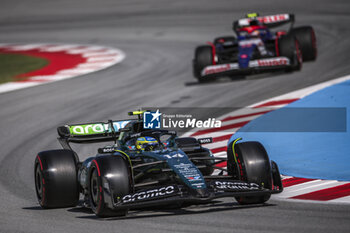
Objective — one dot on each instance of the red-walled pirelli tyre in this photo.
(307, 42)
(109, 180)
(203, 57)
(55, 175)
(289, 47)
(253, 165)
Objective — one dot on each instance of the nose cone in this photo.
(246, 48)
(243, 60)
(202, 193)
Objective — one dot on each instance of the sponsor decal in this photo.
(107, 150)
(274, 18)
(96, 128)
(156, 120)
(149, 194)
(177, 155)
(193, 178)
(266, 19)
(272, 62)
(135, 135)
(183, 166)
(199, 185)
(235, 185)
(192, 123)
(205, 140)
(219, 68)
(189, 171)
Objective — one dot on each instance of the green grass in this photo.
(12, 65)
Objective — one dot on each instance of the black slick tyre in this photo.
(289, 47)
(55, 175)
(307, 41)
(253, 166)
(203, 57)
(109, 180)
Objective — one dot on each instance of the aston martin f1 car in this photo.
(148, 167)
(256, 48)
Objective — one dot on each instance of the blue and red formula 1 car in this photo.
(256, 48)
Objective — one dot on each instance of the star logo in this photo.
(156, 115)
(151, 120)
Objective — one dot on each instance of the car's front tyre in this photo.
(307, 42)
(203, 57)
(55, 175)
(109, 180)
(251, 165)
(289, 47)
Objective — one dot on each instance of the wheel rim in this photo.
(38, 182)
(94, 187)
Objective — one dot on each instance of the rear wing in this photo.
(90, 132)
(269, 21)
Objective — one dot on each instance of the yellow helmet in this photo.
(146, 143)
(252, 15)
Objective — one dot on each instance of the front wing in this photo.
(255, 66)
(169, 194)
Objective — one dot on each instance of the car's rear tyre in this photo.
(55, 175)
(203, 57)
(253, 166)
(109, 180)
(289, 47)
(307, 42)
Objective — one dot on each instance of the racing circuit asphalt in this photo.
(158, 38)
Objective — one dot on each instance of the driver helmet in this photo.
(253, 19)
(256, 28)
(146, 143)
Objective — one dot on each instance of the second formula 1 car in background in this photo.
(256, 48)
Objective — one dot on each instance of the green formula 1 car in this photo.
(148, 167)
